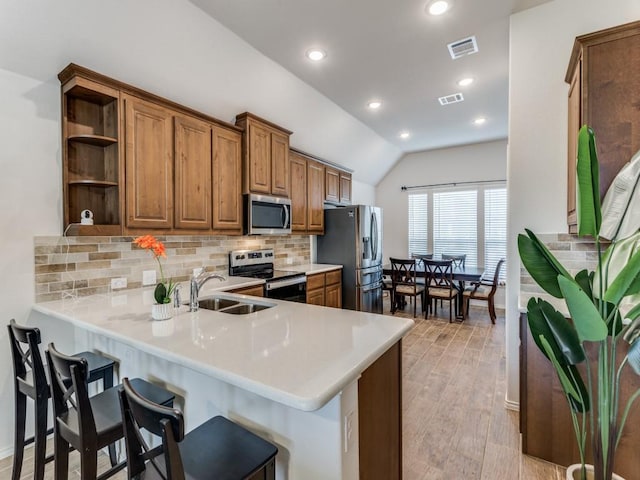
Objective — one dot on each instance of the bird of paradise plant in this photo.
(164, 289)
(604, 307)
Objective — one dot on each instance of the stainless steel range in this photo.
(280, 284)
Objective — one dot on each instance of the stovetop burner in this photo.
(257, 264)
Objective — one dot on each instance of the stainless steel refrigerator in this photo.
(353, 238)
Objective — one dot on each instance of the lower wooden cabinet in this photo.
(255, 291)
(325, 289)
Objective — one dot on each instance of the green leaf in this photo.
(586, 318)
(627, 282)
(570, 380)
(540, 263)
(584, 279)
(588, 185)
(160, 293)
(564, 334)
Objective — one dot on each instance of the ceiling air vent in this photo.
(455, 98)
(463, 47)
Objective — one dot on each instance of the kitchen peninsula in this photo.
(321, 383)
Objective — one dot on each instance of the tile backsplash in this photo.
(81, 266)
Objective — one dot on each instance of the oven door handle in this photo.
(286, 283)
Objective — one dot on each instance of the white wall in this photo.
(469, 163)
(541, 40)
(168, 47)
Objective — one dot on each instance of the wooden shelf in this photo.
(95, 140)
(93, 183)
(95, 230)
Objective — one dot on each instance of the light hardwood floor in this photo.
(455, 423)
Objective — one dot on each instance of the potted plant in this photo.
(163, 308)
(604, 309)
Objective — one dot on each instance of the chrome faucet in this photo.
(197, 281)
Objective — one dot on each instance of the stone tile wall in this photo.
(575, 253)
(80, 266)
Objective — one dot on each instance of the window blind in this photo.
(455, 221)
(418, 224)
(495, 230)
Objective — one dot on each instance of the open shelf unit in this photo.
(91, 153)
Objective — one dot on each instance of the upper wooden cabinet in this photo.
(148, 164)
(92, 178)
(265, 149)
(337, 186)
(307, 194)
(604, 94)
(171, 168)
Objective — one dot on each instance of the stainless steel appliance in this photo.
(353, 238)
(280, 284)
(266, 215)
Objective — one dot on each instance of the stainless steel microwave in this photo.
(266, 215)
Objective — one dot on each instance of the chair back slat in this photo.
(458, 260)
(439, 273)
(165, 422)
(69, 390)
(403, 272)
(25, 353)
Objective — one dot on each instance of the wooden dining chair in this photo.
(440, 284)
(87, 423)
(484, 290)
(403, 277)
(218, 449)
(30, 380)
(458, 261)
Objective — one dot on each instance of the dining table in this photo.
(460, 274)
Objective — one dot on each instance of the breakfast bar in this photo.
(290, 372)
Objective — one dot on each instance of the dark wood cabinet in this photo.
(604, 93)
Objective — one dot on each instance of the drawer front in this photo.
(334, 277)
(315, 281)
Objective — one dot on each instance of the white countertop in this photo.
(295, 354)
(311, 268)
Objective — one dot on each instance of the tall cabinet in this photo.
(604, 93)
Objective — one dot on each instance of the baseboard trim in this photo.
(6, 452)
(511, 405)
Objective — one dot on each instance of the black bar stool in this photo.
(30, 380)
(219, 448)
(87, 423)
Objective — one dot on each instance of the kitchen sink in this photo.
(244, 308)
(217, 303)
(231, 306)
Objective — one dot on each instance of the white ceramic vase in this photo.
(573, 472)
(162, 311)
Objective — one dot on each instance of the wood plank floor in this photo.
(455, 423)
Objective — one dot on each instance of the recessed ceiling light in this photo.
(374, 104)
(480, 120)
(316, 54)
(404, 135)
(465, 82)
(438, 7)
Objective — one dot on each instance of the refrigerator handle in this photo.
(374, 236)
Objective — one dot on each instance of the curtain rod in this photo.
(412, 187)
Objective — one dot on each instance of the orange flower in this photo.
(162, 293)
(158, 250)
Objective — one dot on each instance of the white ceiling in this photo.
(394, 51)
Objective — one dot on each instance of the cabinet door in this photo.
(572, 149)
(316, 297)
(259, 158)
(345, 188)
(227, 193)
(315, 197)
(192, 173)
(279, 164)
(257, 291)
(333, 296)
(298, 193)
(332, 185)
(148, 164)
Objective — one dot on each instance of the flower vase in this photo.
(161, 311)
(573, 472)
